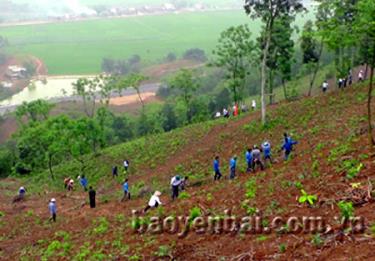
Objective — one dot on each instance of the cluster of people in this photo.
(178, 184)
(255, 157)
(126, 166)
(235, 110)
(343, 82)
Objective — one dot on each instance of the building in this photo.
(15, 72)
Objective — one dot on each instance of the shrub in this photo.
(251, 188)
(194, 213)
(346, 209)
(317, 240)
(184, 195)
(102, 226)
(310, 199)
(163, 251)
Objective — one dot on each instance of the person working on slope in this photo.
(66, 182)
(225, 113)
(83, 181)
(92, 195)
(256, 155)
(288, 145)
(249, 160)
(232, 166)
(52, 209)
(325, 86)
(360, 76)
(70, 185)
(114, 171)
(21, 193)
(217, 173)
(20, 196)
(266, 147)
(126, 166)
(175, 185)
(154, 201)
(253, 105)
(184, 183)
(125, 188)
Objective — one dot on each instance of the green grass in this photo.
(78, 47)
(143, 2)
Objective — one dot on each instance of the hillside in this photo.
(331, 131)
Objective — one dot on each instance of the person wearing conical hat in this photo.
(154, 201)
(52, 209)
(266, 147)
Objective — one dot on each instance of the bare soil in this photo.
(330, 125)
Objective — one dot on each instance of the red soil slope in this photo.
(330, 130)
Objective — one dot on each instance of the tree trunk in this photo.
(366, 71)
(264, 74)
(284, 89)
(271, 86)
(371, 137)
(50, 166)
(317, 67)
(141, 100)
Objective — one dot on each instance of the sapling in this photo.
(310, 199)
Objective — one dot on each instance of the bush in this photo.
(195, 54)
(194, 213)
(346, 209)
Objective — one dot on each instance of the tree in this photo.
(171, 57)
(364, 27)
(169, 117)
(34, 111)
(234, 53)
(281, 52)
(336, 29)
(92, 90)
(123, 128)
(311, 51)
(41, 144)
(134, 81)
(268, 11)
(108, 65)
(185, 83)
(87, 137)
(195, 54)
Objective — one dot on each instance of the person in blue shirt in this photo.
(125, 188)
(232, 165)
(83, 181)
(249, 160)
(288, 145)
(52, 209)
(266, 148)
(217, 168)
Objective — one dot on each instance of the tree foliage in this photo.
(234, 53)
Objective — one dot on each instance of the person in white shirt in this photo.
(225, 113)
(126, 166)
(175, 184)
(154, 201)
(360, 76)
(253, 105)
(325, 86)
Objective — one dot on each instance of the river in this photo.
(56, 89)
